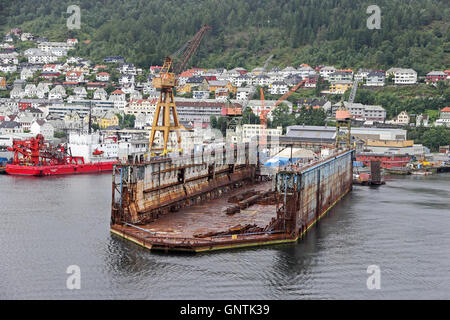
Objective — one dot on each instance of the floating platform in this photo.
(51, 170)
(204, 203)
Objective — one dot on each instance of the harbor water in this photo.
(403, 228)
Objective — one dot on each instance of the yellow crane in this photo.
(166, 82)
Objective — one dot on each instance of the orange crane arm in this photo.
(264, 113)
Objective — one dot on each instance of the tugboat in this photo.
(36, 157)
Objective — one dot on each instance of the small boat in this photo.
(97, 152)
(421, 173)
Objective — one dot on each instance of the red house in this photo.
(435, 76)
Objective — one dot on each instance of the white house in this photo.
(402, 118)
(402, 76)
(375, 79)
(100, 94)
(26, 74)
(102, 76)
(278, 87)
(42, 127)
(326, 71)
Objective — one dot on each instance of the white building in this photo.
(402, 76)
(42, 127)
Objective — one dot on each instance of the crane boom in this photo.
(352, 95)
(264, 113)
(188, 49)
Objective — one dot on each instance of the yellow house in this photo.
(109, 119)
(339, 87)
(214, 85)
(187, 88)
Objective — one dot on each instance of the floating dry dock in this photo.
(207, 202)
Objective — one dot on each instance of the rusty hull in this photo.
(211, 205)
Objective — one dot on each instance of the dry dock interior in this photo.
(206, 203)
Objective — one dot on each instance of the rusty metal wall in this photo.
(310, 192)
(154, 185)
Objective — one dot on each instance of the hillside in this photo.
(414, 33)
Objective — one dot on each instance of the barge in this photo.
(206, 202)
(36, 157)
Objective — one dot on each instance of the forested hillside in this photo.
(414, 33)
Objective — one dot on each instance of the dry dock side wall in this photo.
(308, 194)
(141, 192)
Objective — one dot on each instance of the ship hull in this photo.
(59, 169)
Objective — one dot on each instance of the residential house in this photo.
(108, 119)
(154, 70)
(17, 92)
(402, 118)
(49, 75)
(72, 42)
(217, 84)
(402, 76)
(49, 46)
(26, 74)
(311, 81)
(138, 106)
(221, 94)
(278, 87)
(100, 94)
(58, 92)
(95, 85)
(37, 56)
(289, 70)
(126, 79)
(127, 68)
(293, 79)
(422, 120)
(25, 119)
(340, 76)
(435, 76)
(42, 89)
(55, 67)
(30, 90)
(245, 93)
(308, 103)
(362, 74)
(8, 68)
(135, 95)
(102, 76)
(80, 92)
(261, 80)
(42, 127)
(198, 94)
(243, 80)
(444, 118)
(375, 79)
(9, 58)
(2, 83)
(10, 127)
(340, 87)
(363, 112)
(306, 71)
(447, 72)
(119, 99)
(325, 72)
(74, 76)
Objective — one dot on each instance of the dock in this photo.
(209, 201)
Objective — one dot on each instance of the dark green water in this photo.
(48, 224)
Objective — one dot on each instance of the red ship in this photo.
(35, 157)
